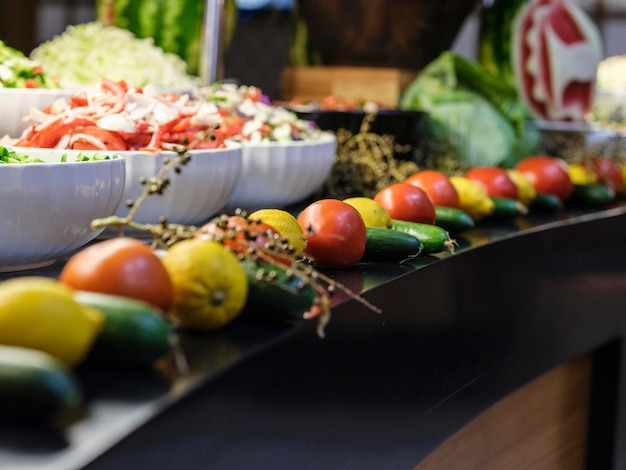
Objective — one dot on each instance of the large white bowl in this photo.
(16, 104)
(195, 194)
(277, 174)
(47, 208)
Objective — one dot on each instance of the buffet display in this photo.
(167, 208)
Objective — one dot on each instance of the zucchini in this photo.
(35, 386)
(453, 219)
(434, 239)
(383, 244)
(275, 295)
(135, 334)
(546, 202)
(593, 194)
(504, 207)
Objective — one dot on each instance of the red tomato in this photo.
(76, 101)
(135, 140)
(438, 187)
(403, 201)
(548, 175)
(495, 180)
(608, 173)
(120, 266)
(240, 234)
(335, 233)
(95, 138)
(253, 94)
(49, 136)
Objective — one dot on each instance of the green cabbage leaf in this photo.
(479, 114)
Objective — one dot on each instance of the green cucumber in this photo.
(135, 334)
(593, 194)
(434, 239)
(275, 295)
(34, 386)
(453, 219)
(383, 244)
(546, 202)
(504, 207)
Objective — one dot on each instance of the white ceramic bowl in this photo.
(277, 174)
(195, 194)
(47, 208)
(16, 104)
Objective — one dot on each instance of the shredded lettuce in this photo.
(86, 53)
(12, 156)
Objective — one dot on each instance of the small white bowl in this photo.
(277, 174)
(195, 194)
(48, 207)
(17, 102)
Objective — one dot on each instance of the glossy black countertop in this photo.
(457, 333)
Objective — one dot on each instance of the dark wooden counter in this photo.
(458, 333)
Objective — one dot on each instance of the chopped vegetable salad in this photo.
(112, 115)
(11, 156)
(18, 71)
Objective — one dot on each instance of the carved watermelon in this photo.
(175, 25)
(556, 51)
(495, 37)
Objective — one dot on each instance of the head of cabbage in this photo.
(479, 115)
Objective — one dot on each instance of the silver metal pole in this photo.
(211, 67)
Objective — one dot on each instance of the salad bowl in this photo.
(48, 206)
(17, 103)
(192, 196)
(278, 174)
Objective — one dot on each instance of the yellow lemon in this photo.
(285, 224)
(373, 213)
(525, 190)
(210, 285)
(41, 313)
(580, 174)
(473, 197)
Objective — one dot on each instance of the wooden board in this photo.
(380, 85)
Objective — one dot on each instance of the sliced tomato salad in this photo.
(113, 116)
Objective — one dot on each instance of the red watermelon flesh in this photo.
(557, 49)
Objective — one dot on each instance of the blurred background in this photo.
(260, 46)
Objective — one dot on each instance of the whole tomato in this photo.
(335, 233)
(495, 180)
(608, 173)
(120, 266)
(237, 232)
(548, 175)
(403, 201)
(438, 187)
(241, 235)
